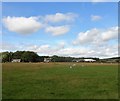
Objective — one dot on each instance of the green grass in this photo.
(58, 81)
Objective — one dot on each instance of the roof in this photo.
(89, 60)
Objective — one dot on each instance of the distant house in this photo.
(16, 60)
(89, 60)
(112, 60)
(78, 60)
(47, 60)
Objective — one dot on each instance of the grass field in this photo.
(58, 81)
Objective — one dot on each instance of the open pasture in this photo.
(59, 81)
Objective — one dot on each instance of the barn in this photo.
(16, 60)
(78, 60)
(47, 60)
(89, 60)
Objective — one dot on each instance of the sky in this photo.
(60, 0)
(77, 29)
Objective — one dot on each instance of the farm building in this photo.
(16, 60)
(47, 60)
(83, 60)
(89, 60)
(78, 60)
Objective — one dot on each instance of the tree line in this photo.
(29, 56)
(25, 56)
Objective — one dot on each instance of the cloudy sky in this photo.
(65, 29)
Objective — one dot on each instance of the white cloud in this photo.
(44, 49)
(7, 46)
(101, 52)
(22, 25)
(96, 36)
(28, 25)
(111, 33)
(95, 17)
(87, 37)
(59, 30)
(62, 50)
(107, 51)
(72, 51)
(57, 50)
(61, 44)
(37, 48)
(58, 17)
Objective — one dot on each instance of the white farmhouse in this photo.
(16, 60)
(47, 60)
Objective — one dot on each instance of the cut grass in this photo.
(58, 81)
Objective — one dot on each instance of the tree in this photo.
(5, 57)
(55, 58)
(17, 54)
(25, 56)
(10, 56)
(28, 56)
